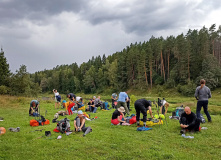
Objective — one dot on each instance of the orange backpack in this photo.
(33, 123)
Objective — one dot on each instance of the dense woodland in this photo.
(172, 62)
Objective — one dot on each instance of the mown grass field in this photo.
(107, 141)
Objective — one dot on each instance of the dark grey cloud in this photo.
(36, 10)
(55, 32)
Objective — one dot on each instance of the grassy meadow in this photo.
(107, 141)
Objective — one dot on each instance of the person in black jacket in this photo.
(188, 121)
(142, 105)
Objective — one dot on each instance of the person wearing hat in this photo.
(117, 116)
(142, 105)
(79, 124)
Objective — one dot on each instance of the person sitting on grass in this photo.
(98, 102)
(188, 121)
(164, 105)
(33, 107)
(79, 124)
(80, 104)
(142, 105)
(92, 107)
(117, 116)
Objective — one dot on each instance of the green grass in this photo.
(106, 141)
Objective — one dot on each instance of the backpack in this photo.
(63, 125)
(202, 119)
(178, 111)
(106, 105)
(58, 98)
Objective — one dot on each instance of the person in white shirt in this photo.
(57, 98)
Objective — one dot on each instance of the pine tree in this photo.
(4, 69)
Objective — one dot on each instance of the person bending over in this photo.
(164, 107)
(71, 97)
(188, 121)
(33, 107)
(142, 105)
(79, 124)
(202, 94)
(117, 116)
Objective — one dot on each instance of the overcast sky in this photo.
(42, 34)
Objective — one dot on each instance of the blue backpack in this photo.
(106, 106)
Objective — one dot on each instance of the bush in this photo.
(187, 90)
(132, 99)
(3, 89)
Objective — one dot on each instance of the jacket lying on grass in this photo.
(143, 129)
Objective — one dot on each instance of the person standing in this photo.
(114, 100)
(123, 97)
(202, 94)
(142, 105)
(57, 98)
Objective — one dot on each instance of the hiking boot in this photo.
(183, 131)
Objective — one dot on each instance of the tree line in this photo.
(175, 62)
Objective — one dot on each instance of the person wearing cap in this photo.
(142, 105)
(79, 124)
(92, 107)
(94, 97)
(123, 98)
(33, 107)
(117, 116)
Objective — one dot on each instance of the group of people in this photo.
(188, 120)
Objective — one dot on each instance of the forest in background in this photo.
(173, 62)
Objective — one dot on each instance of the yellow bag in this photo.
(82, 108)
(150, 123)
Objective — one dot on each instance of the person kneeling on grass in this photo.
(188, 121)
(33, 107)
(79, 124)
(142, 105)
(117, 116)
